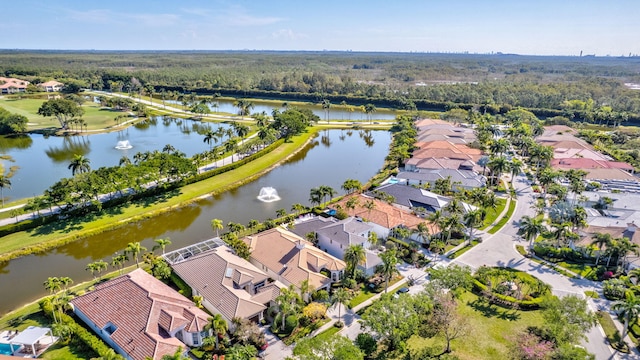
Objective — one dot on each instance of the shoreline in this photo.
(42, 247)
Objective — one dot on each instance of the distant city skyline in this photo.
(543, 27)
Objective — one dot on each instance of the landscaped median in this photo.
(51, 236)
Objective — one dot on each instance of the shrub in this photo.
(320, 295)
(614, 289)
(290, 323)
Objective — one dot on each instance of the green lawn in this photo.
(504, 219)
(60, 232)
(464, 249)
(97, 118)
(492, 214)
(363, 295)
(328, 333)
(492, 329)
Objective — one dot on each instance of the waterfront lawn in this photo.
(97, 117)
(492, 330)
(67, 231)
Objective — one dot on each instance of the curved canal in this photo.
(332, 157)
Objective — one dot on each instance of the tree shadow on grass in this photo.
(489, 310)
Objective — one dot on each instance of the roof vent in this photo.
(228, 273)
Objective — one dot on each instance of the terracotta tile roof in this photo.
(565, 153)
(385, 214)
(430, 122)
(6, 83)
(221, 277)
(292, 257)
(140, 306)
(583, 163)
(51, 83)
(609, 174)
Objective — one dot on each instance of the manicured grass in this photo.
(97, 118)
(493, 329)
(75, 350)
(140, 210)
(463, 250)
(612, 333)
(363, 295)
(492, 214)
(583, 270)
(521, 250)
(327, 334)
(592, 294)
(504, 219)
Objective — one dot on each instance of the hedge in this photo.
(500, 299)
(184, 289)
(82, 333)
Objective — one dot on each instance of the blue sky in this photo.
(543, 27)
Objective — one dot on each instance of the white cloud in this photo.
(94, 16)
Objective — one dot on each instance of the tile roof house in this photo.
(51, 86)
(290, 259)
(230, 285)
(417, 164)
(384, 217)
(141, 317)
(430, 123)
(583, 163)
(460, 178)
(411, 198)
(335, 236)
(12, 85)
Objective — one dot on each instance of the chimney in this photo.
(300, 245)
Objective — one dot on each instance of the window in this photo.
(195, 338)
(110, 328)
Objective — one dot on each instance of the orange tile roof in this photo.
(6, 83)
(385, 214)
(138, 305)
(292, 257)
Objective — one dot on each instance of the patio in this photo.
(32, 341)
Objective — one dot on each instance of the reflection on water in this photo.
(71, 146)
(10, 142)
(313, 166)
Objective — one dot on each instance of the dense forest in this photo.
(491, 83)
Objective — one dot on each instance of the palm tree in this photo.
(315, 196)
(4, 183)
(326, 105)
(210, 137)
(352, 203)
(217, 225)
(369, 109)
(499, 146)
(472, 220)
(369, 205)
(53, 284)
(175, 356)
(628, 309)
(351, 185)
(79, 164)
(600, 240)
(422, 230)
(326, 191)
(305, 290)
(340, 298)
(118, 262)
(134, 248)
(354, 255)
(515, 166)
(498, 165)
(161, 244)
(97, 267)
(218, 326)
(288, 302)
(530, 228)
(388, 266)
(298, 208)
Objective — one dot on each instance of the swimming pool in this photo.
(5, 349)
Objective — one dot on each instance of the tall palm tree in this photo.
(327, 191)
(351, 185)
(288, 302)
(369, 109)
(315, 196)
(515, 166)
(422, 230)
(134, 248)
(161, 244)
(79, 164)
(340, 298)
(472, 220)
(530, 228)
(628, 309)
(4, 183)
(210, 137)
(218, 326)
(498, 165)
(600, 240)
(388, 266)
(118, 262)
(351, 203)
(326, 105)
(369, 205)
(354, 255)
(53, 284)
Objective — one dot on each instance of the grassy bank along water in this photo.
(55, 235)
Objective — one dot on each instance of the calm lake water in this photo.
(227, 106)
(44, 160)
(331, 158)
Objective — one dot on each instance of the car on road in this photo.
(402, 290)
